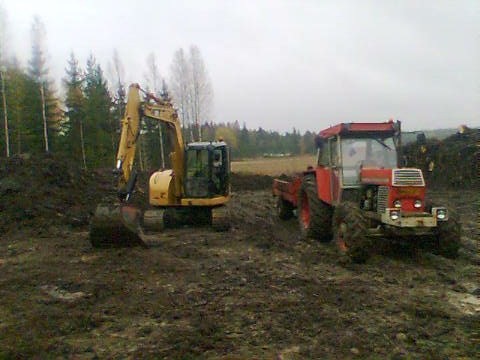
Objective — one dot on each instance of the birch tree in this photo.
(191, 89)
(117, 76)
(38, 71)
(3, 35)
(180, 83)
(201, 92)
(154, 84)
(3, 71)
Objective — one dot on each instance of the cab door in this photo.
(197, 175)
(327, 171)
(335, 170)
(219, 181)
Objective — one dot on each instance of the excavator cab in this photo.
(207, 170)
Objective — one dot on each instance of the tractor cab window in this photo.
(372, 152)
(327, 152)
(333, 151)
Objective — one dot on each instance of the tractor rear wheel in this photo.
(284, 209)
(314, 216)
(447, 238)
(350, 232)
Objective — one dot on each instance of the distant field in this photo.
(274, 166)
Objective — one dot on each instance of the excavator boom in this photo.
(118, 223)
(130, 128)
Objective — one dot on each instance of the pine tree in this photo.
(98, 145)
(18, 100)
(244, 142)
(73, 125)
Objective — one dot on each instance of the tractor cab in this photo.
(207, 169)
(346, 149)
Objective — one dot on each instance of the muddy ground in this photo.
(258, 291)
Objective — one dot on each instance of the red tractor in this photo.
(358, 191)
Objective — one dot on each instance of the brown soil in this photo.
(257, 291)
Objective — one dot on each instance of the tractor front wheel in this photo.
(447, 238)
(350, 232)
(314, 215)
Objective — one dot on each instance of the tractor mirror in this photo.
(397, 127)
(319, 142)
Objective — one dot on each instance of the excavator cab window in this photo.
(207, 169)
(196, 175)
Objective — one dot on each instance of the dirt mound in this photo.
(248, 182)
(452, 162)
(48, 190)
(45, 190)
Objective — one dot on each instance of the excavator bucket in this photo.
(116, 226)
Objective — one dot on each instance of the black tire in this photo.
(284, 209)
(314, 215)
(350, 229)
(447, 238)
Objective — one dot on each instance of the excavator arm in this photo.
(164, 112)
(119, 224)
(154, 108)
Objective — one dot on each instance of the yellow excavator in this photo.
(194, 191)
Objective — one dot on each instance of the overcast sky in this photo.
(284, 64)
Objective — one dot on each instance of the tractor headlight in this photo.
(394, 214)
(441, 214)
(417, 204)
(397, 204)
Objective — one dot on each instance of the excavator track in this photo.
(116, 225)
(221, 218)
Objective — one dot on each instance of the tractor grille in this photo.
(382, 198)
(408, 177)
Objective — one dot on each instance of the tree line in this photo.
(80, 120)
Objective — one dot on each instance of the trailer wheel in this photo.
(350, 232)
(314, 216)
(284, 209)
(447, 238)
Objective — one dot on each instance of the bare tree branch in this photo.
(191, 89)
